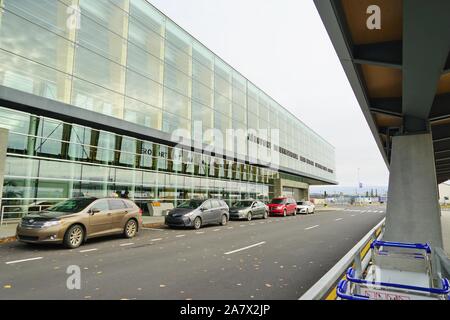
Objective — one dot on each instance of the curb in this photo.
(8, 239)
(158, 225)
(147, 225)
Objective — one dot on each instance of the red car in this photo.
(282, 206)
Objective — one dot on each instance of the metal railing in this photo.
(23, 210)
(442, 263)
(358, 257)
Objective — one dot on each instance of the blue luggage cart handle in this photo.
(341, 292)
(419, 246)
(444, 291)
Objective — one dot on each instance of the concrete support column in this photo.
(413, 212)
(3, 149)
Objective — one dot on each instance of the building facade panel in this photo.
(127, 60)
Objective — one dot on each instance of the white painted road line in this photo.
(215, 230)
(180, 236)
(24, 260)
(339, 219)
(245, 248)
(127, 244)
(88, 250)
(316, 226)
(353, 215)
(158, 239)
(200, 232)
(154, 229)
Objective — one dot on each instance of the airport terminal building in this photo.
(92, 92)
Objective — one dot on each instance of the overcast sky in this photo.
(283, 47)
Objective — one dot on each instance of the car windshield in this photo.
(71, 205)
(242, 204)
(278, 201)
(300, 203)
(191, 204)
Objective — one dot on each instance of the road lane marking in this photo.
(230, 228)
(162, 230)
(200, 232)
(339, 219)
(88, 250)
(316, 226)
(158, 239)
(127, 244)
(180, 236)
(216, 230)
(353, 215)
(245, 248)
(23, 260)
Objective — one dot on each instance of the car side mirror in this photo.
(94, 211)
(202, 209)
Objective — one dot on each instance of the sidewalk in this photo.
(152, 222)
(8, 232)
(328, 208)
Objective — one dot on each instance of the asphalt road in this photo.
(277, 258)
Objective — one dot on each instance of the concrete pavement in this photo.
(277, 258)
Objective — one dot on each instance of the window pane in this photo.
(99, 39)
(145, 38)
(176, 103)
(101, 71)
(177, 58)
(95, 98)
(43, 13)
(143, 89)
(177, 80)
(28, 40)
(144, 63)
(202, 94)
(178, 37)
(148, 15)
(105, 14)
(25, 75)
(143, 114)
(222, 104)
(172, 122)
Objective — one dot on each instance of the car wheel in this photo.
(197, 223)
(249, 216)
(224, 220)
(74, 237)
(130, 229)
(284, 213)
(266, 214)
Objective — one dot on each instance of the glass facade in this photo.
(51, 160)
(125, 59)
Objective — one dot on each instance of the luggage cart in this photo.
(399, 271)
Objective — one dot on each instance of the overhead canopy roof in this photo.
(400, 73)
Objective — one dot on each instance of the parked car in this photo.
(282, 206)
(305, 207)
(73, 221)
(197, 213)
(249, 209)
